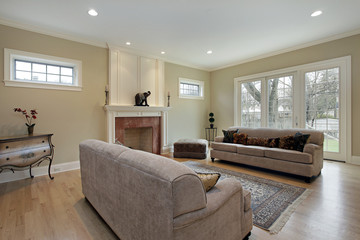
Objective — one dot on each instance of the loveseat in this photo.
(307, 163)
(146, 196)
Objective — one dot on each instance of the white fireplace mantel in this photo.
(114, 111)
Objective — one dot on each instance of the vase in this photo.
(30, 128)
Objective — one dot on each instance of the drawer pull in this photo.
(7, 159)
(43, 141)
(7, 147)
(44, 150)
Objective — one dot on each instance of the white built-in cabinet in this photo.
(130, 74)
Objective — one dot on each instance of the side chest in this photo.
(21, 152)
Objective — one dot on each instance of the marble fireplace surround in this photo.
(134, 112)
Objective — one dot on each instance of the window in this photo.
(280, 102)
(313, 96)
(24, 69)
(192, 89)
(251, 104)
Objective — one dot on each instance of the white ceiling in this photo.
(235, 30)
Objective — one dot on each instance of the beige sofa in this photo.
(307, 163)
(146, 196)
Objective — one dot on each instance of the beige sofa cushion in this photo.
(227, 147)
(251, 150)
(288, 155)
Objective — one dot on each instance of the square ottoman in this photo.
(191, 148)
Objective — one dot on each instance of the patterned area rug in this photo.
(272, 202)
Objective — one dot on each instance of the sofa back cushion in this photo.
(316, 137)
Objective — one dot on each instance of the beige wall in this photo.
(187, 118)
(71, 116)
(222, 81)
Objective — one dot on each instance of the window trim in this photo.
(9, 70)
(201, 85)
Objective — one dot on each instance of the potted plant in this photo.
(28, 118)
(211, 120)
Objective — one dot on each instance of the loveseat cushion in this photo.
(288, 155)
(251, 150)
(227, 147)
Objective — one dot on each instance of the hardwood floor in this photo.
(41, 208)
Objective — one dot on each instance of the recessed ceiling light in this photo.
(92, 12)
(316, 13)
(128, 43)
(163, 52)
(209, 52)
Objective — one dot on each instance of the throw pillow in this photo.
(300, 140)
(209, 179)
(240, 138)
(257, 141)
(229, 136)
(287, 142)
(273, 142)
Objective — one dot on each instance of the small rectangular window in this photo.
(192, 89)
(32, 71)
(25, 69)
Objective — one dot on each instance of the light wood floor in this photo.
(43, 209)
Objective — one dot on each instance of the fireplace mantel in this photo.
(136, 109)
(114, 111)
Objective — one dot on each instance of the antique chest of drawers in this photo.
(22, 152)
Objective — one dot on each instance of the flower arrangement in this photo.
(28, 117)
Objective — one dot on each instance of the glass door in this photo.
(322, 108)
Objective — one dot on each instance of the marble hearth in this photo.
(120, 119)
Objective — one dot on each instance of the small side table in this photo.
(210, 134)
(24, 152)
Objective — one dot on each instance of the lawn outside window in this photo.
(25, 69)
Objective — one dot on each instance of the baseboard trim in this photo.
(355, 160)
(9, 176)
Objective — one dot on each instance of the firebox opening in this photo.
(139, 138)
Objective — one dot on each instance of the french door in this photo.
(312, 96)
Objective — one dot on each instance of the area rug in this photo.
(272, 202)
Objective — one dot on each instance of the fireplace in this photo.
(134, 121)
(142, 133)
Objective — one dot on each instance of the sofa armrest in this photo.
(219, 139)
(312, 148)
(317, 153)
(216, 198)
